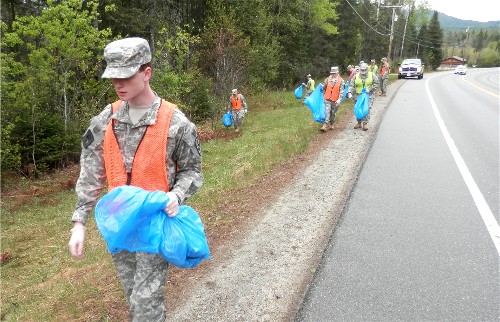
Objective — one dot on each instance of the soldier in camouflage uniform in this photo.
(143, 275)
(364, 79)
(333, 90)
(237, 105)
(384, 76)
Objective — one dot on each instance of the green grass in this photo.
(42, 282)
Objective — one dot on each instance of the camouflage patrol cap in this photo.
(125, 56)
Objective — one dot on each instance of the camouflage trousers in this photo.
(383, 85)
(370, 104)
(331, 111)
(143, 277)
(238, 116)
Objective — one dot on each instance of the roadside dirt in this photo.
(244, 212)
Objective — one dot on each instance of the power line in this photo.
(378, 32)
(420, 42)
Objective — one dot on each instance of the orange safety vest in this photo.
(382, 70)
(149, 169)
(236, 102)
(332, 92)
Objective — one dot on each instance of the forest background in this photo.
(51, 58)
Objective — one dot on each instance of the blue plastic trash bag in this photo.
(298, 92)
(346, 91)
(361, 107)
(130, 218)
(185, 244)
(227, 119)
(316, 104)
(125, 217)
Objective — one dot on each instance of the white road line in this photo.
(485, 211)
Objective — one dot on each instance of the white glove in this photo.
(172, 207)
(349, 95)
(76, 241)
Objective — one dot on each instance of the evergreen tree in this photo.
(435, 37)
(422, 40)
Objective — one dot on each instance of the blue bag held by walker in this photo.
(132, 219)
(298, 92)
(316, 104)
(361, 107)
(346, 91)
(227, 119)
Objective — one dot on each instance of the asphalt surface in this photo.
(411, 244)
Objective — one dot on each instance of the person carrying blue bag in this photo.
(362, 87)
(140, 140)
(333, 93)
(310, 85)
(237, 105)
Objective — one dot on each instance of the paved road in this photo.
(419, 237)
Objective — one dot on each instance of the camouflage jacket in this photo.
(183, 154)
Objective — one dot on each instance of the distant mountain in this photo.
(448, 23)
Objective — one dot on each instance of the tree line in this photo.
(479, 47)
(51, 58)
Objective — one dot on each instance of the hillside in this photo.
(449, 23)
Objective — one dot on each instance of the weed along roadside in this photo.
(263, 205)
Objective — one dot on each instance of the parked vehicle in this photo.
(461, 70)
(411, 67)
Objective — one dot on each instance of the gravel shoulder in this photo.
(261, 270)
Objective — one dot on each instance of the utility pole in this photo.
(465, 45)
(404, 32)
(392, 28)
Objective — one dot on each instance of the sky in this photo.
(476, 10)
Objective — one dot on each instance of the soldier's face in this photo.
(131, 88)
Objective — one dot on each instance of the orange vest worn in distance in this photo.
(149, 170)
(382, 70)
(236, 102)
(332, 93)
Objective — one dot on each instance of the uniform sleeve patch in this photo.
(88, 138)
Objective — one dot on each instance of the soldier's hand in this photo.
(349, 95)
(77, 240)
(172, 207)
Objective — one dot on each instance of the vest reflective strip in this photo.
(149, 167)
(236, 102)
(332, 92)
